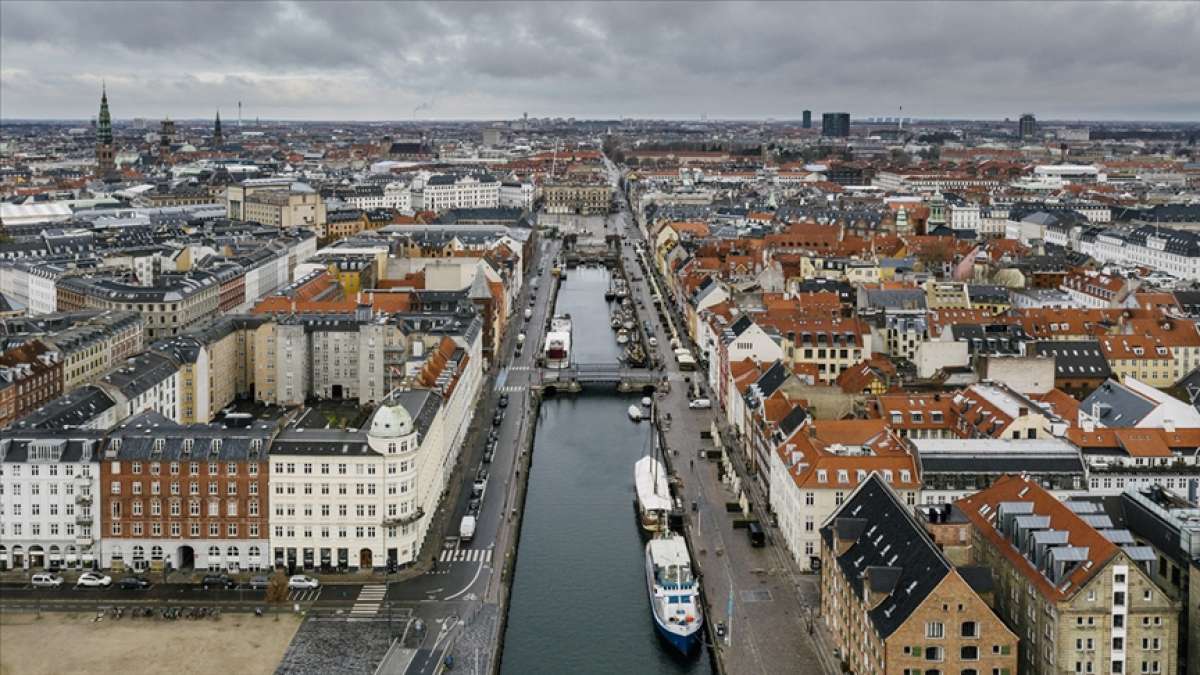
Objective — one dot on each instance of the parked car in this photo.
(700, 404)
(93, 580)
(260, 583)
(478, 488)
(756, 534)
(46, 580)
(503, 400)
(133, 584)
(474, 505)
(301, 582)
(217, 581)
(497, 418)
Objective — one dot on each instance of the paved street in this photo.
(756, 592)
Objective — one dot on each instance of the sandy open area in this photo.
(71, 643)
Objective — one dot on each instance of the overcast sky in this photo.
(384, 61)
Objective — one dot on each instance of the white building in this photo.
(443, 192)
(519, 195)
(49, 492)
(31, 286)
(398, 196)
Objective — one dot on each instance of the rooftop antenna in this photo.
(900, 120)
(239, 114)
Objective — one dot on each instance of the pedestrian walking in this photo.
(692, 464)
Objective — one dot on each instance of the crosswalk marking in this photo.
(305, 595)
(512, 388)
(523, 368)
(467, 555)
(369, 599)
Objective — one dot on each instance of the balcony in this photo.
(83, 540)
(83, 519)
(397, 521)
(83, 500)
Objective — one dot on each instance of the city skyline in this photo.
(312, 61)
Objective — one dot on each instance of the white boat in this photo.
(635, 413)
(646, 401)
(674, 593)
(653, 493)
(558, 343)
(622, 336)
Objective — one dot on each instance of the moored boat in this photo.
(674, 593)
(635, 413)
(557, 353)
(653, 494)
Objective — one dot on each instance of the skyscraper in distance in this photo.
(1027, 126)
(807, 120)
(835, 125)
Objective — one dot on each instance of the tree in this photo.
(277, 589)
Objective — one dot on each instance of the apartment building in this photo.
(185, 496)
(216, 364)
(833, 345)
(148, 381)
(30, 375)
(892, 600)
(49, 499)
(1075, 589)
(92, 345)
(814, 472)
(170, 306)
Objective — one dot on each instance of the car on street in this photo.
(217, 581)
(474, 505)
(133, 584)
(700, 404)
(302, 582)
(93, 580)
(46, 580)
(489, 453)
(503, 400)
(259, 583)
(479, 487)
(497, 418)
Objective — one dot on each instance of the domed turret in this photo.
(391, 421)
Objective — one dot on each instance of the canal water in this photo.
(579, 602)
(582, 296)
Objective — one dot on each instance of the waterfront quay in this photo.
(767, 607)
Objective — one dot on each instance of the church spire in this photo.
(105, 160)
(218, 137)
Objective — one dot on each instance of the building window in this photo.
(935, 629)
(970, 629)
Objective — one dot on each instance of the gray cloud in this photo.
(380, 60)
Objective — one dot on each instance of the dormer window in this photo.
(822, 476)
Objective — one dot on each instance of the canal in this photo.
(578, 601)
(582, 296)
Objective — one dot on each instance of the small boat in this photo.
(646, 401)
(634, 355)
(627, 324)
(674, 593)
(616, 322)
(622, 336)
(557, 352)
(635, 413)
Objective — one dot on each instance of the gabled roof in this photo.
(890, 551)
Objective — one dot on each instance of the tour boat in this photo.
(635, 413)
(558, 343)
(674, 593)
(653, 494)
(622, 336)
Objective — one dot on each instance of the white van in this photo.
(700, 404)
(466, 529)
